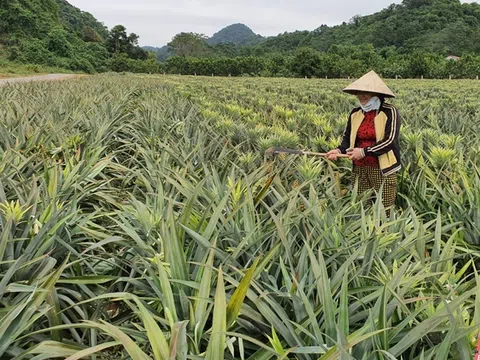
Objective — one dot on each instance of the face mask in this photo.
(373, 104)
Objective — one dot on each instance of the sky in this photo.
(157, 21)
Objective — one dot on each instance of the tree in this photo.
(355, 20)
(188, 44)
(423, 64)
(306, 62)
(90, 35)
(119, 62)
(119, 42)
(57, 42)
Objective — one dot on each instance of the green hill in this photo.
(37, 18)
(440, 26)
(56, 34)
(411, 39)
(53, 33)
(225, 42)
(238, 34)
(80, 22)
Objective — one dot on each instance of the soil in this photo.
(49, 77)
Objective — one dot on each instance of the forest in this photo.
(414, 39)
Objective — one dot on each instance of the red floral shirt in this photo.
(366, 137)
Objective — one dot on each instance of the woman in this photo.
(371, 138)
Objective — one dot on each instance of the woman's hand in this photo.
(355, 154)
(333, 154)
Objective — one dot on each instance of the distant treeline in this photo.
(339, 62)
(408, 40)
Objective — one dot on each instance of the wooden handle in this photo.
(274, 150)
(323, 154)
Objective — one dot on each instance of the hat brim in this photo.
(356, 91)
(371, 83)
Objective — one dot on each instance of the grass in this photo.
(140, 219)
(10, 69)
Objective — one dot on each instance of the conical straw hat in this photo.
(370, 82)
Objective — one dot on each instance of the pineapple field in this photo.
(140, 218)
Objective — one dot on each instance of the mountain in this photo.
(162, 53)
(440, 26)
(222, 43)
(56, 34)
(151, 48)
(237, 34)
(84, 24)
(52, 32)
(37, 18)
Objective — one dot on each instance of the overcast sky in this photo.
(157, 21)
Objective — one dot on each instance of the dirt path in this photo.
(49, 77)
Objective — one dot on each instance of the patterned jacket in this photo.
(387, 129)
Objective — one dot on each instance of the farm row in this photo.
(141, 218)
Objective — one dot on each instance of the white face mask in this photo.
(373, 104)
